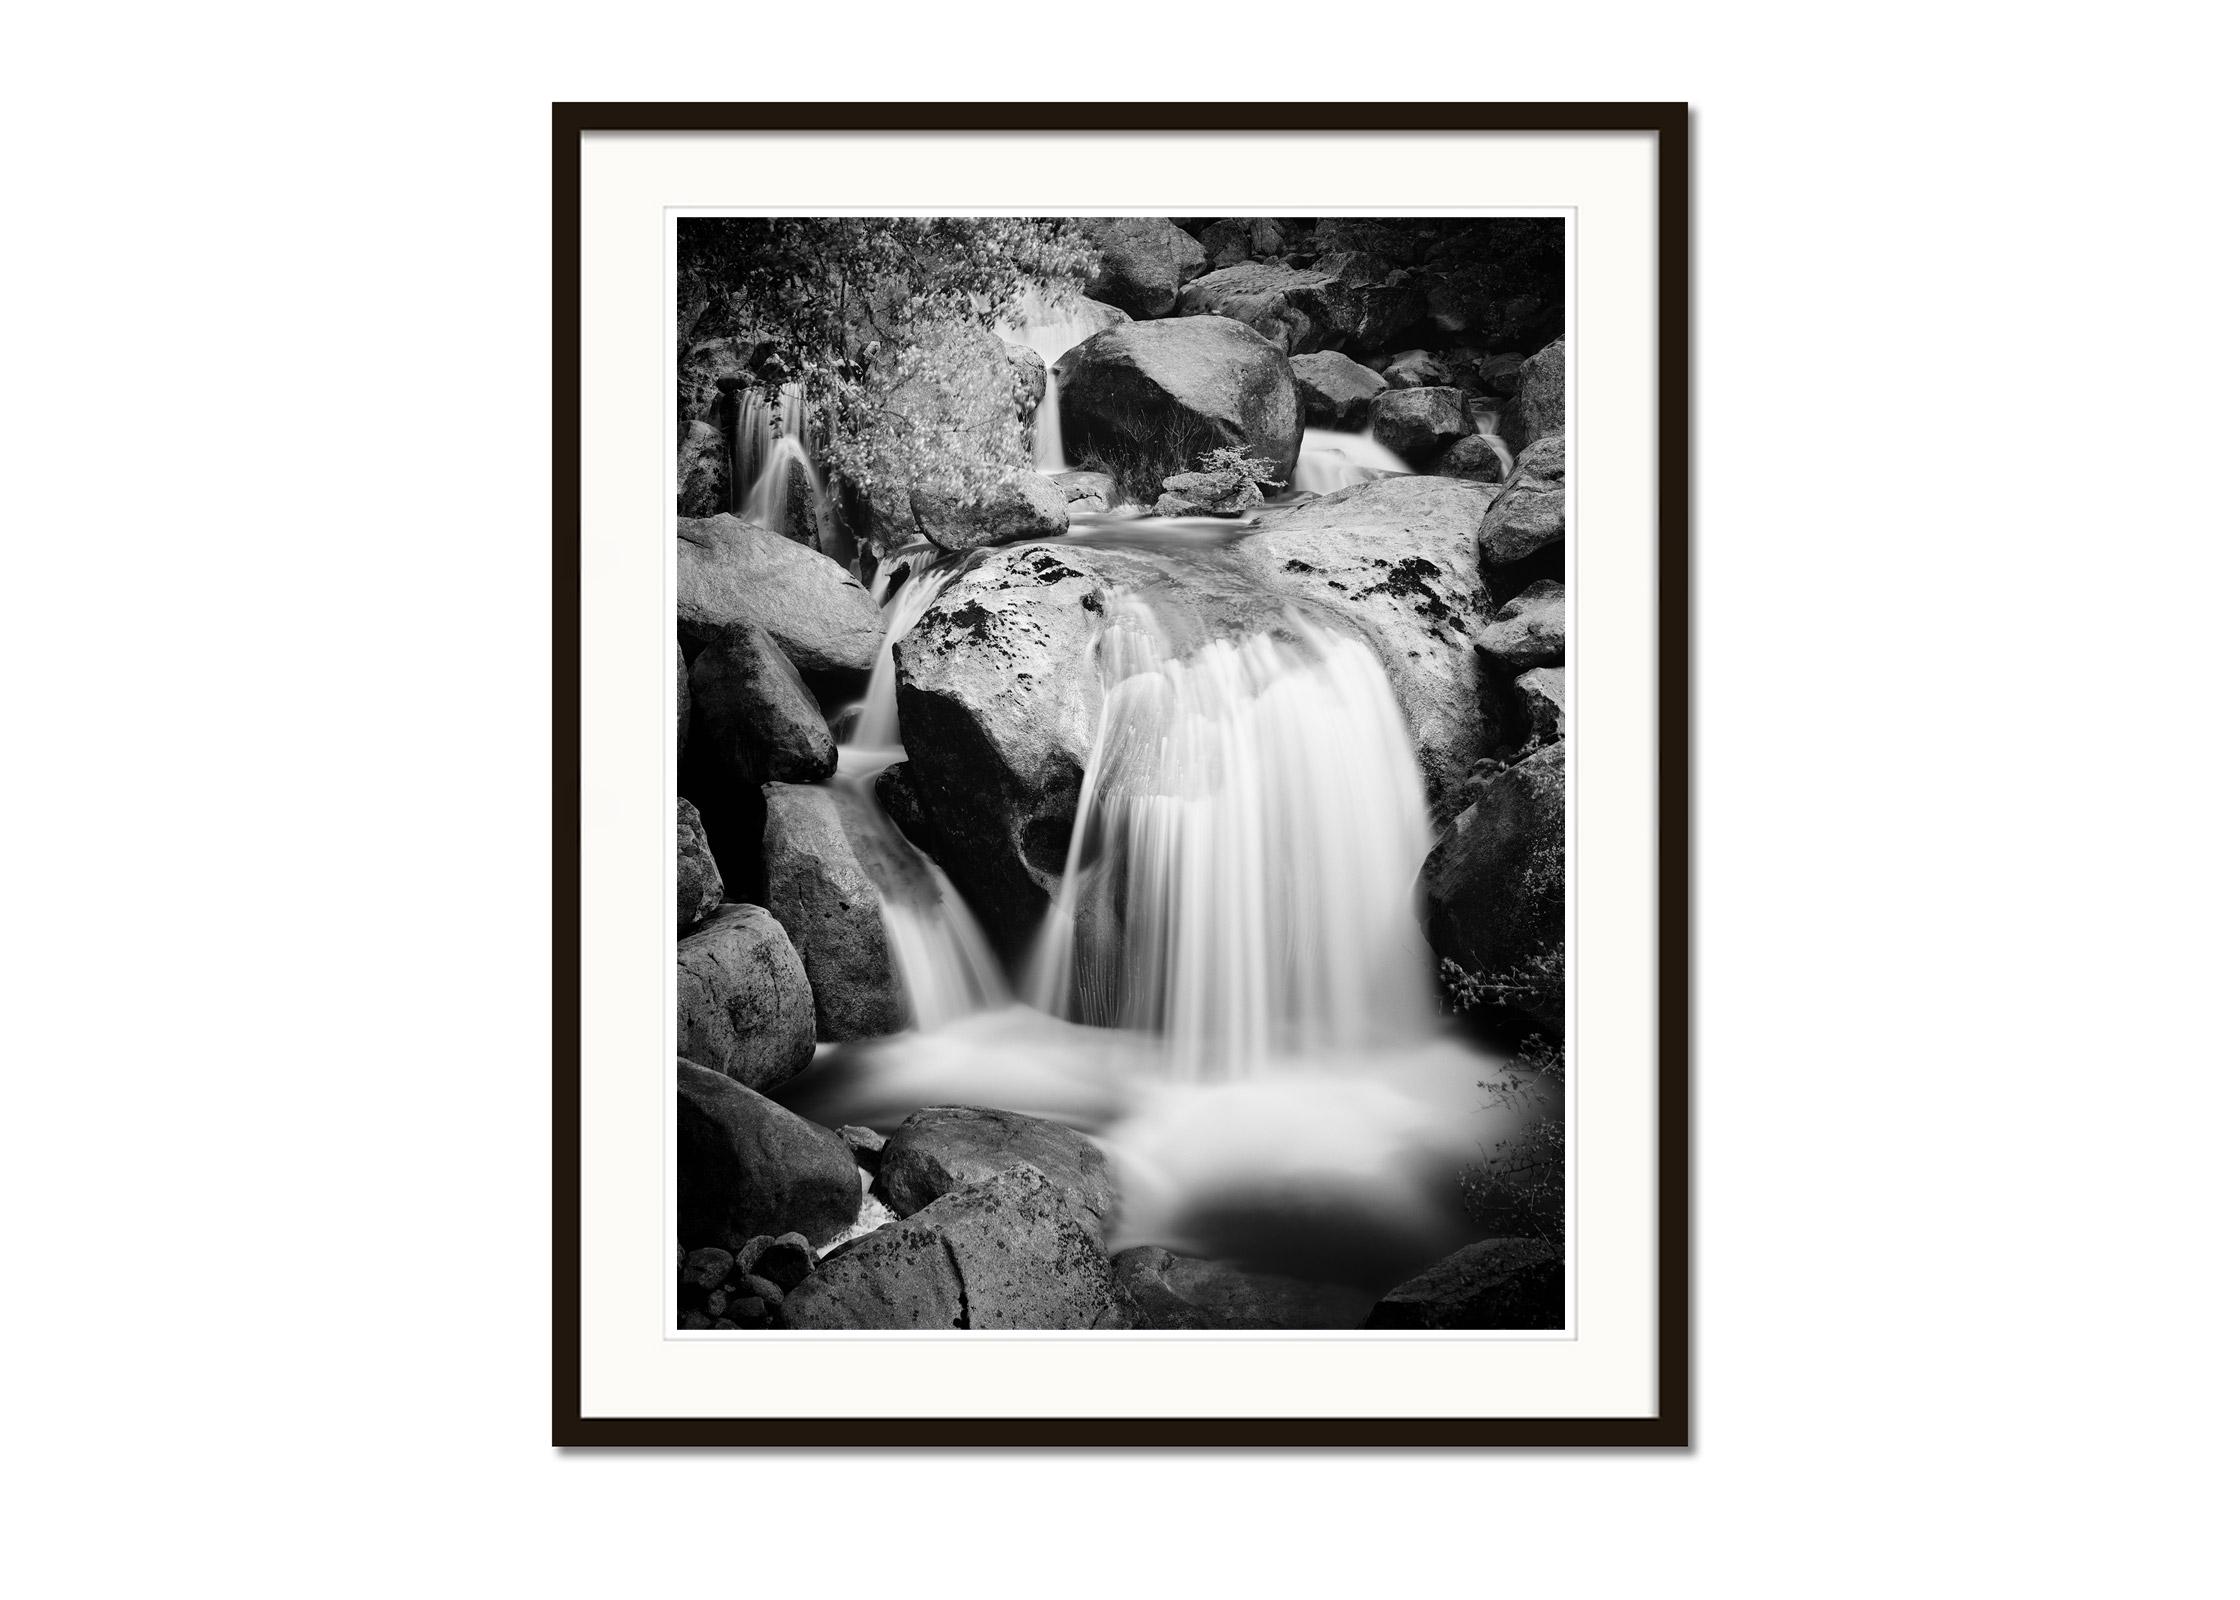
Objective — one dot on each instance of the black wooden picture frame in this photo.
(1668, 123)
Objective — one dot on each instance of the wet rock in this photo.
(998, 700)
(1540, 393)
(820, 894)
(1026, 505)
(1007, 1252)
(1520, 543)
(1526, 632)
(1417, 369)
(1297, 310)
(866, 1144)
(1395, 562)
(1207, 494)
(1087, 491)
(743, 1001)
(1146, 400)
(944, 1148)
(1335, 391)
(1140, 262)
(703, 471)
(754, 719)
(1495, 1283)
(729, 571)
(1420, 425)
(1491, 891)
(699, 884)
(1477, 458)
(747, 1166)
(1178, 1291)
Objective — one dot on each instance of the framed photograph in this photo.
(1120, 684)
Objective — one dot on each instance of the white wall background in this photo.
(271, 635)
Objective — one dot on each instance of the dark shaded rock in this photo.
(743, 1001)
(1335, 391)
(820, 894)
(1207, 494)
(1491, 891)
(783, 1262)
(1501, 374)
(1087, 491)
(1007, 1252)
(866, 1144)
(1026, 505)
(1521, 540)
(703, 471)
(684, 700)
(747, 1166)
(1420, 425)
(753, 717)
(730, 571)
(705, 1269)
(1526, 632)
(1417, 369)
(1146, 400)
(1495, 1283)
(1176, 1291)
(1141, 262)
(1477, 458)
(1540, 393)
(1296, 310)
(1395, 561)
(699, 884)
(898, 798)
(948, 1147)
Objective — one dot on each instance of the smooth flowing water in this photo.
(1330, 461)
(1244, 851)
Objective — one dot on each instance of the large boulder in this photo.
(1495, 1283)
(754, 719)
(730, 571)
(1395, 561)
(1540, 394)
(1335, 391)
(703, 471)
(747, 1167)
(1227, 492)
(1140, 262)
(1010, 1251)
(821, 895)
(947, 1147)
(1526, 632)
(1297, 310)
(743, 1002)
(1491, 891)
(1520, 542)
(1145, 400)
(1177, 1291)
(699, 884)
(1420, 425)
(1087, 492)
(998, 697)
(1025, 505)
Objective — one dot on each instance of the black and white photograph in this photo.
(1121, 784)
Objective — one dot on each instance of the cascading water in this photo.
(1050, 331)
(1243, 853)
(1489, 426)
(775, 481)
(1330, 461)
(946, 967)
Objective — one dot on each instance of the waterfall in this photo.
(1050, 332)
(943, 959)
(1330, 461)
(1488, 422)
(1240, 875)
(772, 470)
